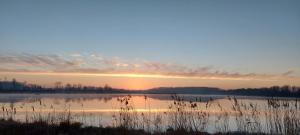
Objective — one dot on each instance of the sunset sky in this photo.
(141, 44)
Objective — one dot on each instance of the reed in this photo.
(279, 116)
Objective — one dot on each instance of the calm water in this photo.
(102, 109)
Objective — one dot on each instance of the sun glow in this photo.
(139, 75)
(132, 75)
(143, 81)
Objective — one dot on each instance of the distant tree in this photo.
(107, 87)
(14, 83)
(74, 86)
(58, 85)
(285, 88)
(79, 86)
(68, 86)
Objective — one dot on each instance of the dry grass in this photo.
(184, 117)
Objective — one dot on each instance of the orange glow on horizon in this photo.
(143, 81)
(135, 75)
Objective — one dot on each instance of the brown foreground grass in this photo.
(10, 127)
(279, 117)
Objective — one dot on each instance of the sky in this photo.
(141, 44)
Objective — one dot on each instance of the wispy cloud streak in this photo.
(99, 65)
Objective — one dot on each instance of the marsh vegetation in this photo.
(139, 114)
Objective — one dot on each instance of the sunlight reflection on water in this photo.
(100, 109)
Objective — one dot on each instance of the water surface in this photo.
(104, 109)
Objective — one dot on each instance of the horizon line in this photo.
(63, 85)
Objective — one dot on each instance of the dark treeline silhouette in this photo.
(14, 86)
(276, 91)
(19, 87)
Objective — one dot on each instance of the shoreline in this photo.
(8, 127)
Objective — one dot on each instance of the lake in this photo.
(154, 111)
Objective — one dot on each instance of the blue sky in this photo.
(260, 36)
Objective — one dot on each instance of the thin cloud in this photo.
(95, 64)
(290, 72)
(37, 61)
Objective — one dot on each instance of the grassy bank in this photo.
(10, 127)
